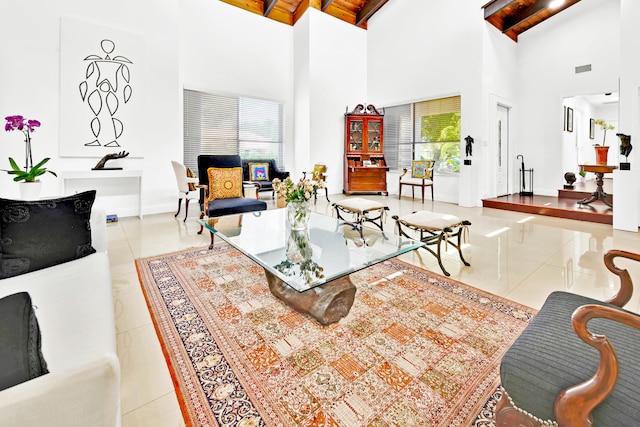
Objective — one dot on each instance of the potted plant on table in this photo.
(30, 175)
(602, 151)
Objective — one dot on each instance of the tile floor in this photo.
(519, 256)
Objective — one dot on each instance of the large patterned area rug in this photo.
(417, 349)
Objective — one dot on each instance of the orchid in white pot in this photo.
(30, 173)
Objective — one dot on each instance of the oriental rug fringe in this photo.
(416, 349)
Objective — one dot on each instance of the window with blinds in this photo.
(427, 130)
(223, 124)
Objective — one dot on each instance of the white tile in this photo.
(535, 256)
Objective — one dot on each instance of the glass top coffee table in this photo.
(310, 269)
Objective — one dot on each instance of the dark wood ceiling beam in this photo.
(268, 6)
(326, 4)
(523, 14)
(368, 9)
(496, 6)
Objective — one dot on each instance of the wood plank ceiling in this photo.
(513, 17)
(355, 12)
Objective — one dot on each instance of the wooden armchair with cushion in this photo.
(222, 191)
(262, 172)
(421, 176)
(576, 363)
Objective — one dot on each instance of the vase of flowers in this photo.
(299, 213)
(602, 151)
(297, 197)
(31, 174)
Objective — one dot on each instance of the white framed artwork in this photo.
(101, 90)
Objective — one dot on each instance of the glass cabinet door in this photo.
(355, 135)
(374, 135)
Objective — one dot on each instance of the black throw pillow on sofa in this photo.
(36, 234)
(20, 346)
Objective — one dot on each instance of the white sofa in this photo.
(74, 307)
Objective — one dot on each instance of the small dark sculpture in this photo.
(100, 164)
(469, 147)
(570, 177)
(625, 144)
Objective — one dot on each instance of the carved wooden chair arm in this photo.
(404, 172)
(573, 406)
(626, 286)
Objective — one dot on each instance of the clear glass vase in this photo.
(298, 214)
(298, 248)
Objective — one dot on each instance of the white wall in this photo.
(189, 43)
(338, 68)
(330, 73)
(428, 50)
(627, 208)
(29, 83)
(586, 33)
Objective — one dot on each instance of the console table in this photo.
(106, 182)
(599, 170)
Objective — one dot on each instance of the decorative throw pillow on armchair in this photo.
(224, 183)
(259, 171)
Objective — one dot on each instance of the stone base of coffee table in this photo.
(326, 303)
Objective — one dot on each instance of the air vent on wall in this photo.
(583, 68)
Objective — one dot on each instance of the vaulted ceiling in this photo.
(355, 12)
(512, 17)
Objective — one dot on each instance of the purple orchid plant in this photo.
(30, 172)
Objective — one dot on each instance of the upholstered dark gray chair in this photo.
(576, 363)
(222, 191)
(262, 172)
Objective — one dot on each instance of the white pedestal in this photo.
(625, 199)
(118, 191)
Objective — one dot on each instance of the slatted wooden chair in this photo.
(576, 363)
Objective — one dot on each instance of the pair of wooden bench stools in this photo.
(433, 228)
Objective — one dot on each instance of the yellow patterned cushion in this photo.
(224, 183)
(318, 172)
(421, 169)
(258, 171)
(190, 174)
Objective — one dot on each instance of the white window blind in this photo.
(423, 130)
(223, 124)
(398, 133)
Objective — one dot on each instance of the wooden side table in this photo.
(599, 170)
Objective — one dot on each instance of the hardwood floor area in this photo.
(564, 206)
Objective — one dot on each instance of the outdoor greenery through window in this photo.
(427, 130)
(224, 124)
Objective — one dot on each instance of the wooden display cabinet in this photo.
(365, 169)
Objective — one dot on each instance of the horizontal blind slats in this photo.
(223, 124)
